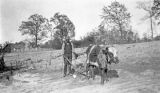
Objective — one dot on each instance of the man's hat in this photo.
(67, 39)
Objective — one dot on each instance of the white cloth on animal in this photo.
(113, 51)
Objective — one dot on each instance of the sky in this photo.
(85, 14)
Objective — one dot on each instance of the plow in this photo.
(80, 66)
(74, 68)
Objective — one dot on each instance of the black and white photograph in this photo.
(79, 46)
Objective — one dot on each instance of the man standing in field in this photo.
(67, 50)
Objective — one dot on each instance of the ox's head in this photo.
(111, 54)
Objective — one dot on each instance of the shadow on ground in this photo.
(112, 74)
(77, 83)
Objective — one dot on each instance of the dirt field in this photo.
(138, 70)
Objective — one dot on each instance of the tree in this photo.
(116, 16)
(35, 27)
(102, 36)
(130, 36)
(19, 46)
(157, 37)
(50, 28)
(53, 43)
(146, 37)
(156, 9)
(136, 37)
(147, 6)
(56, 43)
(64, 26)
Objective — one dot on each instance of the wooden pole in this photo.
(11, 69)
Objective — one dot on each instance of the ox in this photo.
(99, 56)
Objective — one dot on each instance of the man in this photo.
(67, 50)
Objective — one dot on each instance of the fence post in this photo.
(50, 59)
(11, 69)
(16, 64)
(46, 65)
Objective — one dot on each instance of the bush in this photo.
(54, 44)
(157, 38)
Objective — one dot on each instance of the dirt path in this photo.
(145, 82)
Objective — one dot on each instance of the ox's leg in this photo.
(105, 73)
(87, 70)
(65, 68)
(91, 72)
(102, 75)
(102, 72)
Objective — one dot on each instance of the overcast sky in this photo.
(85, 14)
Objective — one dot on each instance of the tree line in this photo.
(115, 27)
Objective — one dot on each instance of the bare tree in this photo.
(156, 10)
(147, 6)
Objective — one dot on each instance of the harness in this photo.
(92, 47)
(99, 56)
(92, 57)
